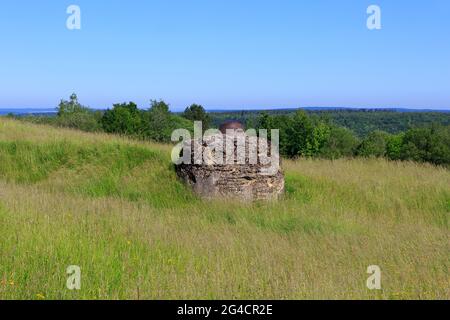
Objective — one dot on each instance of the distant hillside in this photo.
(28, 111)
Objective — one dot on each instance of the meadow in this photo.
(114, 207)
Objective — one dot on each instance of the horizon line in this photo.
(237, 109)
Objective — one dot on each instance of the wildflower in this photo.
(40, 296)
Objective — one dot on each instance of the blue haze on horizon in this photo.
(226, 54)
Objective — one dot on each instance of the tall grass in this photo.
(115, 208)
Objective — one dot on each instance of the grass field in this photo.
(115, 208)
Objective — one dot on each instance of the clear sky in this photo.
(226, 53)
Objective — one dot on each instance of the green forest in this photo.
(360, 121)
(328, 134)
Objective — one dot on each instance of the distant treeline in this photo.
(421, 137)
(313, 136)
(360, 121)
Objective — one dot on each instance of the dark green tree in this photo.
(298, 131)
(341, 142)
(124, 118)
(156, 121)
(374, 145)
(394, 146)
(72, 114)
(431, 144)
(196, 112)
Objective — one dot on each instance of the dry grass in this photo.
(115, 208)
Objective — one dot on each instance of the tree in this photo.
(71, 106)
(341, 142)
(196, 112)
(374, 145)
(156, 121)
(305, 136)
(265, 121)
(300, 135)
(320, 135)
(124, 118)
(72, 114)
(299, 132)
(394, 146)
(431, 144)
(268, 122)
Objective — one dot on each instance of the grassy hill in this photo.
(115, 208)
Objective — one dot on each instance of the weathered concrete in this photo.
(246, 178)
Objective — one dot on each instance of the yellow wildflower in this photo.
(40, 296)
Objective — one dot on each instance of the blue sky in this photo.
(226, 53)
